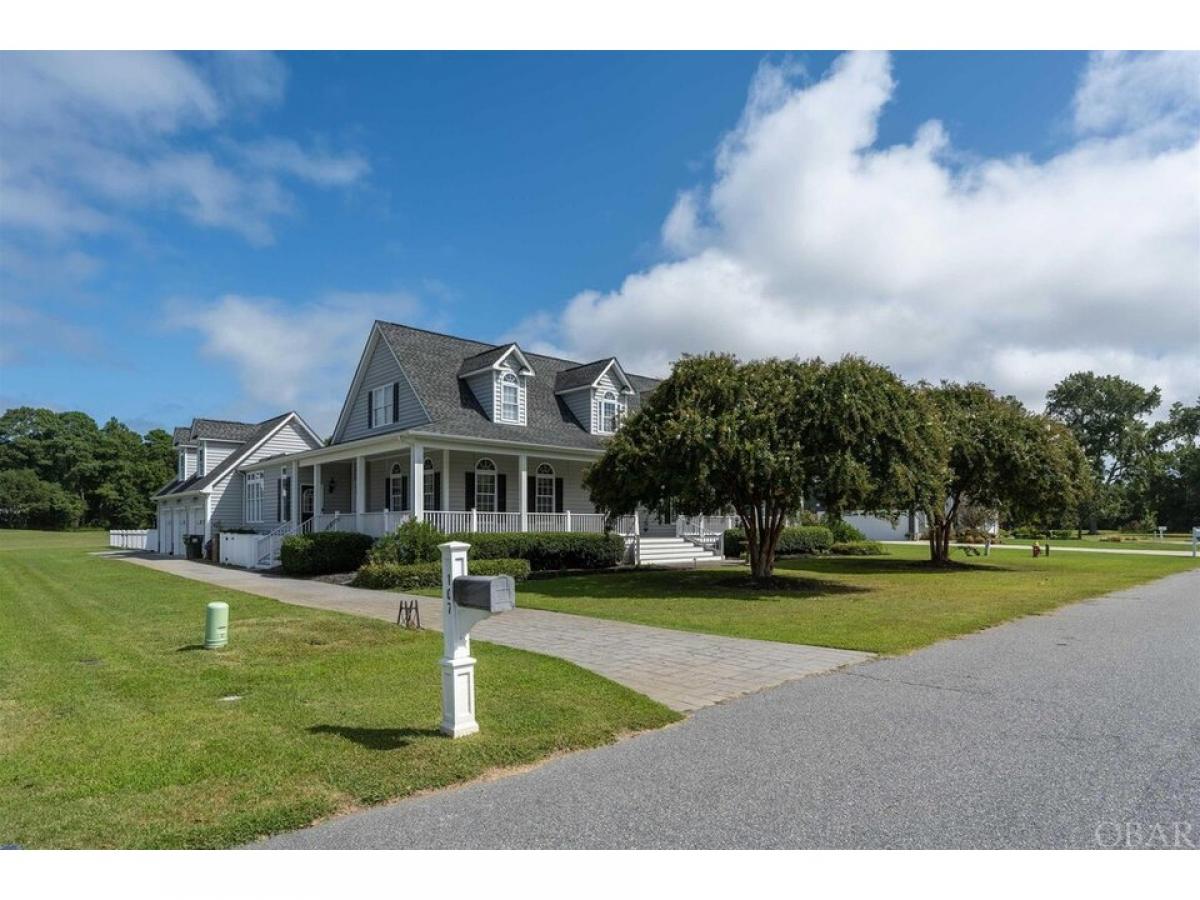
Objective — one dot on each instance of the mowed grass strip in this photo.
(114, 731)
(886, 604)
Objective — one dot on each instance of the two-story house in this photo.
(468, 436)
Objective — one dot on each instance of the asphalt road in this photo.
(1080, 728)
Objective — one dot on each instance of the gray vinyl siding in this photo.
(482, 386)
(227, 501)
(341, 499)
(580, 405)
(216, 452)
(382, 370)
(575, 497)
(189, 462)
(289, 439)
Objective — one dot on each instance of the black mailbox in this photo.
(494, 593)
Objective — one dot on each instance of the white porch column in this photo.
(360, 490)
(445, 480)
(416, 482)
(318, 491)
(522, 490)
(294, 496)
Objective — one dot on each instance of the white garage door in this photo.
(165, 531)
(180, 529)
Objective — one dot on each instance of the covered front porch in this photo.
(456, 489)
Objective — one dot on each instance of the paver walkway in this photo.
(683, 670)
(1077, 728)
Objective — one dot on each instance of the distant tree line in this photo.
(62, 470)
(1144, 473)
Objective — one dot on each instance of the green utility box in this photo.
(216, 625)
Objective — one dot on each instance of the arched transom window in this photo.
(510, 398)
(610, 412)
(485, 485)
(543, 489)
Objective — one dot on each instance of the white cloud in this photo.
(287, 356)
(90, 139)
(811, 239)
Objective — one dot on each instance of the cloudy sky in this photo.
(213, 234)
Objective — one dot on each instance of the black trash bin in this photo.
(194, 543)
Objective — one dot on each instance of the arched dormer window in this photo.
(485, 485)
(610, 412)
(543, 489)
(510, 398)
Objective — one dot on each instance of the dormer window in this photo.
(181, 473)
(510, 398)
(610, 409)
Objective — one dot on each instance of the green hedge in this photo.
(1058, 534)
(800, 539)
(411, 577)
(324, 553)
(412, 542)
(548, 550)
(857, 548)
(844, 533)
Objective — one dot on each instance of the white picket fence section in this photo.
(135, 539)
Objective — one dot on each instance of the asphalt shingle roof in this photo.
(579, 376)
(196, 482)
(432, 363)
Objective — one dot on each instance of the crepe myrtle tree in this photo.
(761, 436)
(1000, 456)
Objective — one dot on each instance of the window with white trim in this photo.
(284, 513)
(543, 489)
(430, 501)
(381, 406)
(611, 410)
(254, 497)
(397, 501)
(485, 485)
(510, 398)
(182, 465)
(200, 459)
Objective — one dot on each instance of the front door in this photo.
(306, 502)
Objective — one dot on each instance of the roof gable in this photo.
(493, 358)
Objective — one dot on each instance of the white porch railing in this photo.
(267, 547)
(132, 539)
(705, 531)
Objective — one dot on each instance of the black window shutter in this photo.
(404, 504)
(558, 495)
(531, 493)
(501, 492)
(437, 490)
(279, 500)
(387, 493)
(469, 479)
(370, 412)
(395, 402)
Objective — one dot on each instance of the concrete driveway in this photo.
(1079, 728)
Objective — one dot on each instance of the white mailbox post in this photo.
(463, 606)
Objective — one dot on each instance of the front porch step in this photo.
(673, 551)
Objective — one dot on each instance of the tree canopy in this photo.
(761, 437)
(1000, 457)
(106, 474)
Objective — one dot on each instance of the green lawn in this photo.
(1177, 545)
(889, 604)
(113, 731)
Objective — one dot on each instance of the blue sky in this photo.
(211, 235)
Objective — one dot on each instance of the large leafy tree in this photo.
(1109, 417)
(760, 437)
(1000, 457)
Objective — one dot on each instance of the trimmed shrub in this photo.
(857, 548)
(324, 553)
(547, 550)
(797, 540)
(412, 542)
(843, 532)
(413, 576)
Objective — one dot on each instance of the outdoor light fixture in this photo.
(332, 485)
